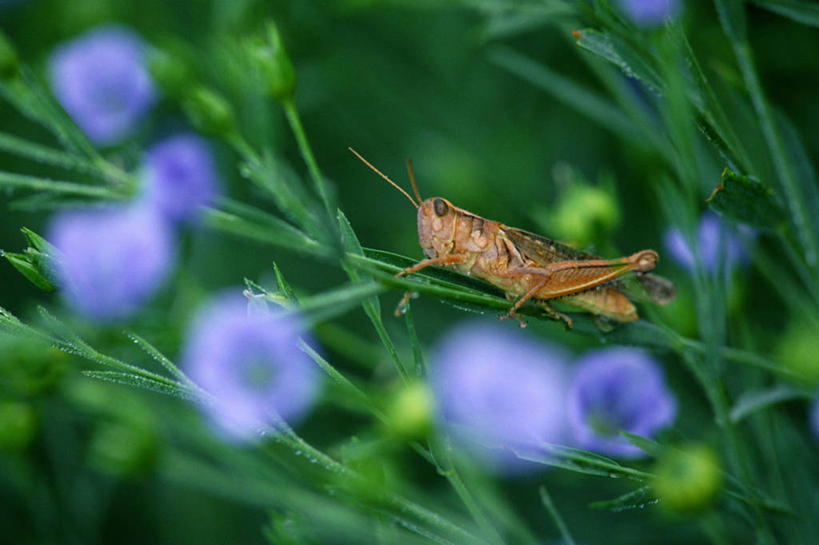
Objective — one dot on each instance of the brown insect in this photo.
(527, 266)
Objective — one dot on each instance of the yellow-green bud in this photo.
(9, 64)
(209, 112)
(169, 70)
(410, 413)
(687, 480)
(273, 63)
(583, 213)
(798, 349)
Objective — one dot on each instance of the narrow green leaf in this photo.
(372, 306)
(45, 155)
(35, 183)
(546, 499)
(254, 224)
(757, 400)
(362, 398)
(28, 96)
(582, 99)
(649, 446)
(580, 461)
(286, 190)
(732, 17)
(636, 499)
(36, 241)
(159, 357)
(748, 201)
(284, 286)
(329, 304)
(806, 13)
(621, 54)
(176, 390)
(29, 269)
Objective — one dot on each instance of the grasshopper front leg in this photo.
(452, 259)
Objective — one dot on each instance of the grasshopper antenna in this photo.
(412, 180)
(395, 185)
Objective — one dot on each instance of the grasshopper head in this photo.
(436, 226)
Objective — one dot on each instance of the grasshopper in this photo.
(526, 266)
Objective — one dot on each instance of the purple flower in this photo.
(180, 177)
(252, 365)
(814, 419)
(617, 389)
(497, 387)
(649, 13)
(101, 80)
(110, 260)
(716, 240)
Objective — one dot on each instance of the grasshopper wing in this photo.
(541, 249)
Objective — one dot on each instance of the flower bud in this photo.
(686, 480)
(584, 212)
(797, 350)
(410, 413)
(209, 112)
(276, 70)
(170, 71)
(9, 64)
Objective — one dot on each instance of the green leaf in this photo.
(756, 400)
(580, 461)
(329, 304)
(143, 382)
(746, 200)
(806, 13)
(159, 357)
(26, 266)
(36, 241)
(252, 223)
(577, 96)
(732, 17)
(636, 499)
(649, 446)
(286, 190)
(13, 180)
(284, 286)
(621, 54)
(372, 307)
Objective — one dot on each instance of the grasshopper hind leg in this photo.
(554, 314)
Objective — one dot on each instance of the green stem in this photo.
(284, 434)
(784, 169)
(550, 507)
(307, 154)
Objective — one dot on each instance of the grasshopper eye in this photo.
(440, 207)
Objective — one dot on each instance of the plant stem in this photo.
(307, 154)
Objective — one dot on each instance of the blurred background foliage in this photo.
(440, 82)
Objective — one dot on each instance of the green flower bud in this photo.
(270, 57)
(583, 213)
(410, 413)
(19, 425)
(797, 350)
(9, 64)
(209, 112)
(687, 480)
(170, 71)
